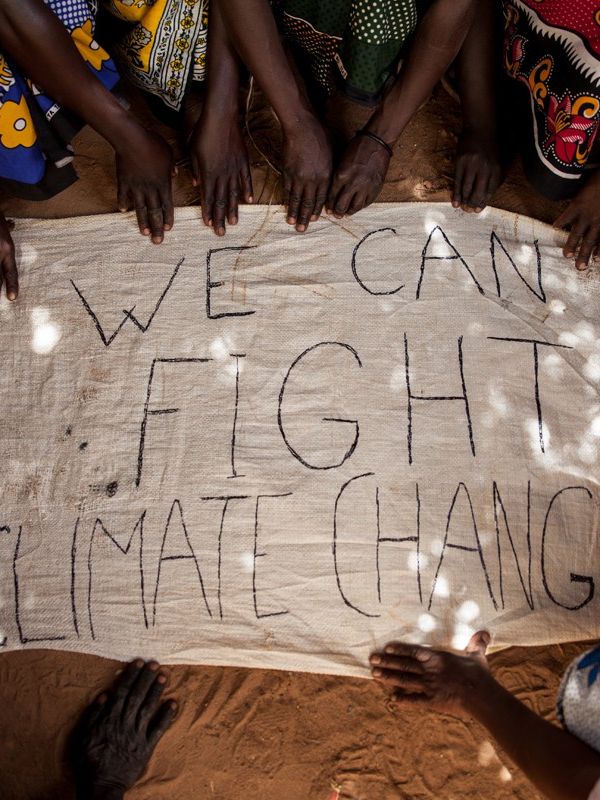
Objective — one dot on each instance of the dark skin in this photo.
(218, 155)
(361, 172)
(559, 765)
(306, 151)
(477, 171)
(119, 731)
(8, 265)
(39, 44)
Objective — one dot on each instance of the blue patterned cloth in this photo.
(35, 132)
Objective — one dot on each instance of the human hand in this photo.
(477, 172)
(120, 730)
(306, 173)
(219, 162)
(442, 680)
(144, 170)
(8, 264)
(359, 176)
(582, 216)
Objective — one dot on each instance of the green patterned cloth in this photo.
(359, 41)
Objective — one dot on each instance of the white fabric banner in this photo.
(282, 450)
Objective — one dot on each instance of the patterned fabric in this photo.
(578, 703)
(552, 49)
(357, 41)
(35, 132)
(166, 46)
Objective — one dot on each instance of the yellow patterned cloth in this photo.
(166, 46)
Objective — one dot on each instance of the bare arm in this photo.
(557, 763)
(36, 40)
(438, 38)
(306, 152)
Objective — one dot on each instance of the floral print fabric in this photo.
(552, 49)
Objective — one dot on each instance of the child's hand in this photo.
(359, 177)
(144, 171)
(220, 167)
(443, 681)
(582, 216)
(8, 264)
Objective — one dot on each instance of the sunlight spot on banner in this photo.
(46, 334)
(462, 635)
(442, 588)
(427, 623)
(28, 255)
(247, 560)
(499, 402)
(553, 365)
(398, 379)
(468, 612)
(591, 368)
(585, 331)
(416, 561)
(533, 430)
(595, 427)
(432, 220)
(588, 453)
(436, 547)
(475, 328)
(524, 255)
(557, 306)
(568, 338)
(219, 349)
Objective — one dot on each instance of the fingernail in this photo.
(153, 666)
(146, 231)
(138, 662)
(581, 266)
(375, 659)
(478, 210)
(455, 204)
(210, 223)
(251, 199)
(389, 649)
(157, 239)
(233, 221)
(291, 220)
(194, 182)
(12, 296)
(123, 210)
(377, 673)
(162, 679)
(301, 228)
(569, 254)
(168, 227)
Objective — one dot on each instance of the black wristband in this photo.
(375, 138)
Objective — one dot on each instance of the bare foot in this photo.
(119, 731)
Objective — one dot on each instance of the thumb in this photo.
(478, 644)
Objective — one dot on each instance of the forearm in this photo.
(253, 32)
(437, 41)
(477, 70)
(223, 67)
(38, 43)
(557, 763)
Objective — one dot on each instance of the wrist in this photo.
(482, 695)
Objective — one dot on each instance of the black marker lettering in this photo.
(539, 293)
(355, 270)
(499, 507)
(456, 256)
(257, 555)
(210, 284)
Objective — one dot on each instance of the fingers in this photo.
(246, 184)
(408, 681)
(306, 209)
(8, 269)
(150, 703)
(155, 212)
(161, 722)
(412, 651)
(123, 202)
(166, 198)
(293, 204)
(359, 201)
(572, 244)
(126, 680)
(138, 691)
(416, 698)
(400, 663)
(567, 217)
(457, 196)
(219, 209)
(321, 197)
(588, 245)
(232, 201)
(478, 643)
(141, 212)
(480, 192)
(341, 203)
(93, 711)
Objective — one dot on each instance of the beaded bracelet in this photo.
(375, 138)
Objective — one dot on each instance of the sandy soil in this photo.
(273, 735)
